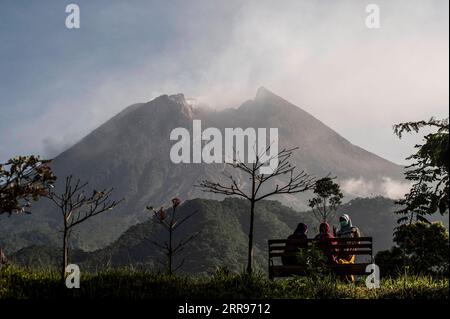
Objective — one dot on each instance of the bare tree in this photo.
(297, 182)
(169, 221)
(76, 207)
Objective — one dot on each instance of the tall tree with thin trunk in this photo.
(327, 200)
(296, 182)
(76, 206)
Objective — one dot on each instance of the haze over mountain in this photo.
(130, 152)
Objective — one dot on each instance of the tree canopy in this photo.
(428, 172)
(23, 179)
(422, 248)
(328, 197)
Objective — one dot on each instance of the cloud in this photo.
(319, 56)
(394, 189)
(53, 146)
(387, 187)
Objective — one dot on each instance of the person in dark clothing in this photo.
(325, 244)
(292, 247)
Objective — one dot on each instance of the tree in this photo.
(297, 182)
(167, 218)
(425, 244)
(76, 207)
(392, 262)
(428, 172)
(23, 179)
(422, 248)
(327, 200)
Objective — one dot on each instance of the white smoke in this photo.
(387, 187)
(222, 51)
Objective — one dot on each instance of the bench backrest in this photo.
(355, 246)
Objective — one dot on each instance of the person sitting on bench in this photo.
(347, 230)
(292, 247)
(325, 244)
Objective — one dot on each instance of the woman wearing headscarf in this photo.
(325, 244)
(292, 244)
(347, 230)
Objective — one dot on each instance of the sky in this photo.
(58, 84)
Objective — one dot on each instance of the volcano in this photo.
(131, 153)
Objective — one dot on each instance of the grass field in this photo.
(17, 283)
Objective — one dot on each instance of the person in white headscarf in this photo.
(347, 230)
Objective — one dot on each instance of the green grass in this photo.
(18, 283)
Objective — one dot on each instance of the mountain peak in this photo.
(263, 93)
(178, 98)
(266, 97)
(173, 103)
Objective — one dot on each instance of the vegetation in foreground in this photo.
(18, 283)
(421, 246)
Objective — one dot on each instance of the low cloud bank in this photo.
(387, 187)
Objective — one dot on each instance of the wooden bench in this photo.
(361, 247)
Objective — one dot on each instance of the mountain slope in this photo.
(130, 152)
